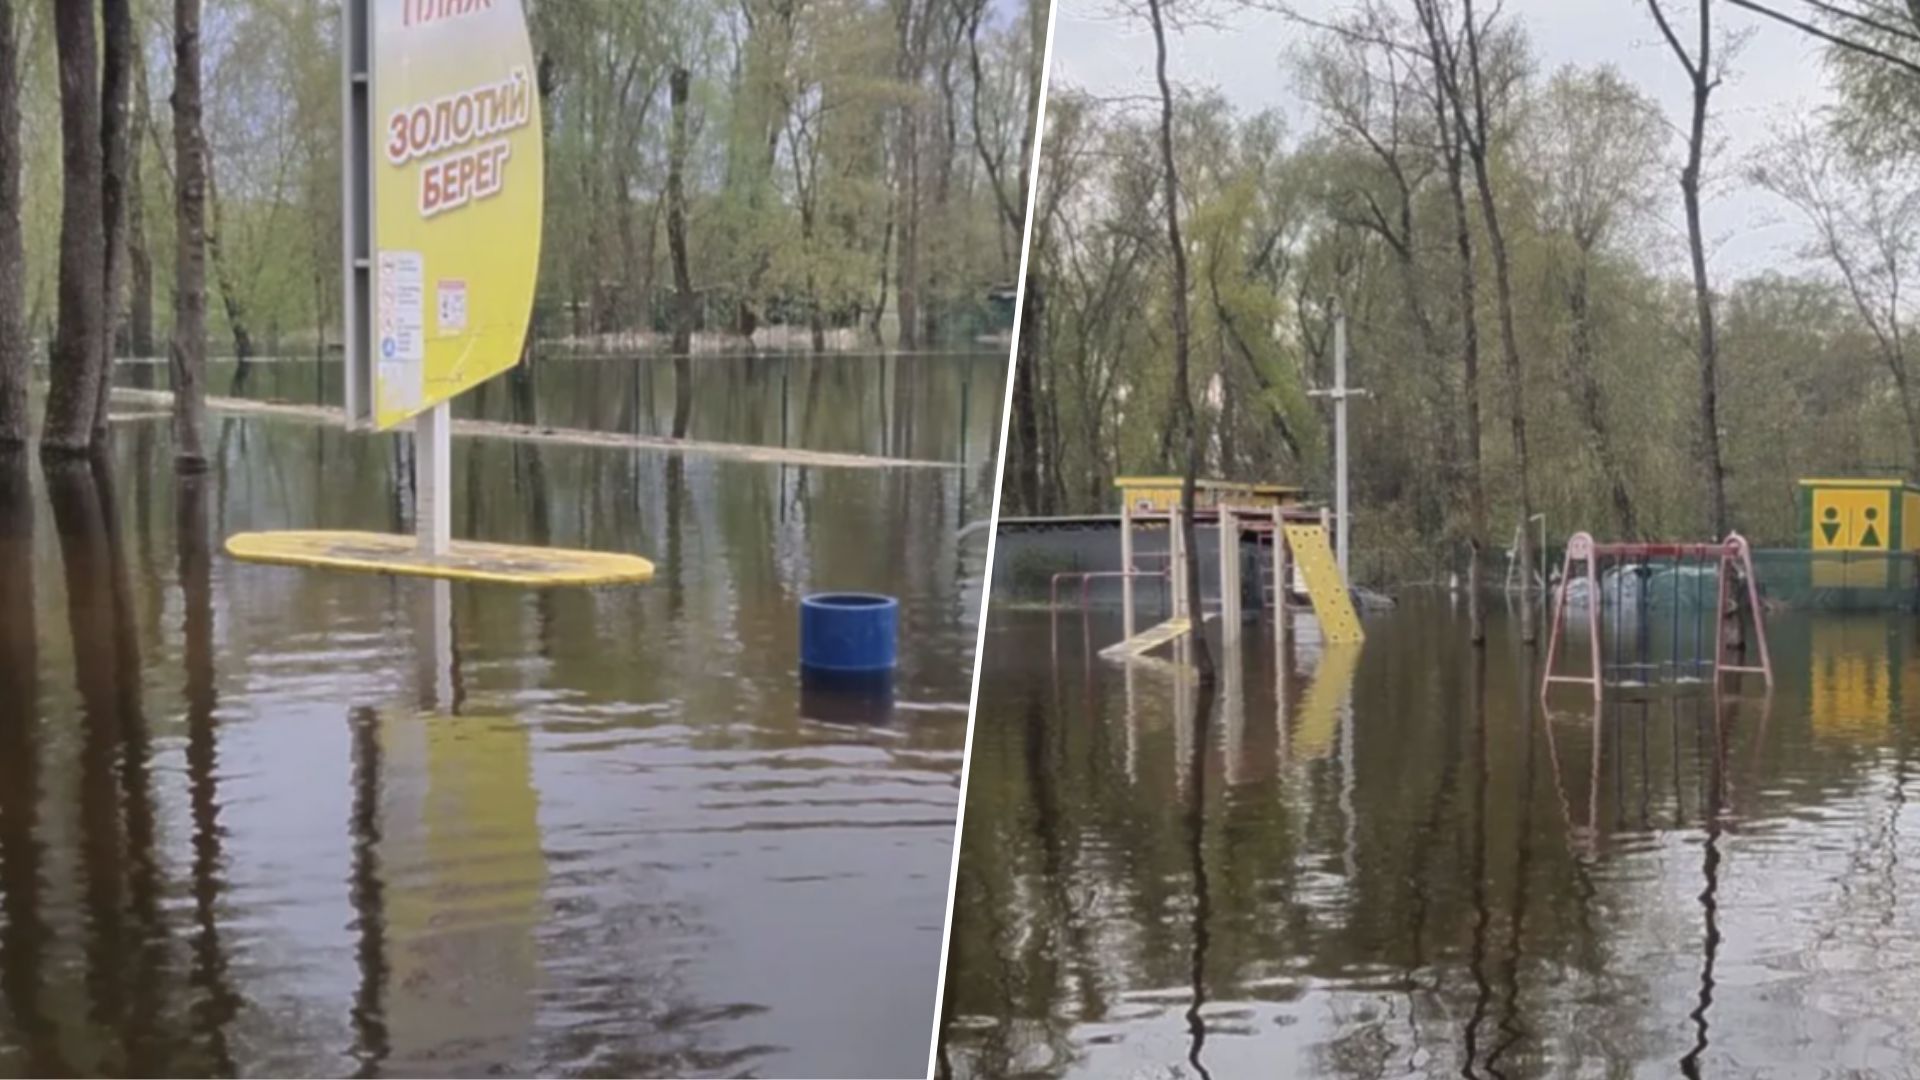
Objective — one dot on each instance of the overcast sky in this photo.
(1777, 73)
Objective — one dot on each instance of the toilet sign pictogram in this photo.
(1852, 519)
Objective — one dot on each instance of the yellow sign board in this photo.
(1852, 519)
(456, 195)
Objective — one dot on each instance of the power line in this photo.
(1826, 35)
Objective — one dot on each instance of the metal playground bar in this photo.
(1644, 606)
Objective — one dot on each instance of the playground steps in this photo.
(1339, 624)
(1150, 639)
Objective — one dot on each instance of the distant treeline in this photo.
(848, 163)
(1511, 246)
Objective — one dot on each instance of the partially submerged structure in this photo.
(1285, 533)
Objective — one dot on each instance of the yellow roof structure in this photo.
(1858, 481)
(1162, 493)
(465, 560)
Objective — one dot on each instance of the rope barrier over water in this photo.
(608, 440)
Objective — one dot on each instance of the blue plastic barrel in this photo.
(849, 632)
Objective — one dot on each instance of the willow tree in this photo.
(1597, 147)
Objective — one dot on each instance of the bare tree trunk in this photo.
(886, 270)
(1699, 69)
(912, 19)
(1469, 290)
(683, 298)
(139, 340)
(1025, 450)
(78, 344)
(16, 361)
(1703, 302)
(116, 190)
(238, 323)
(1476, 141)
(1182, 390)
(188, 352)
(908, 287)
(816, 311)
(946, 145)
(139, 249)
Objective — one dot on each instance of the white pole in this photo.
(1340, 392)
(1126, 563)
(1229, 526)
(1280, 576)
(433, 480)
(1176, 539)
(1341, 523)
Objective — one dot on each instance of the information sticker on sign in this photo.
(452, 294)
(402, 298)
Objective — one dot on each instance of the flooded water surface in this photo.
(262, 820)
(1395, 863)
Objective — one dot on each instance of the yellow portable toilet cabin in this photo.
(1855, 519)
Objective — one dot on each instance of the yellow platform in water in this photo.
(465, 560)
(1144, 642)
(1339, 625)
(1148, 640)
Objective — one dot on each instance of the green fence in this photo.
(1837, 580)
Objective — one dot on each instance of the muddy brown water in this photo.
(262, 820)
(1397, 864)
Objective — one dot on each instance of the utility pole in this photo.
(1342, 523)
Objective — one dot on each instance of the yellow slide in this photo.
(1339, 624)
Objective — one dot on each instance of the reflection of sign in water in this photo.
(1850, 685)
(465, 876)
(453, 166)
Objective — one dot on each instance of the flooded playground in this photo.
(259, 820)
(1389, 861)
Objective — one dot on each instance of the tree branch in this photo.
(1666, 31)
(1835, 39)
(1867, 21)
